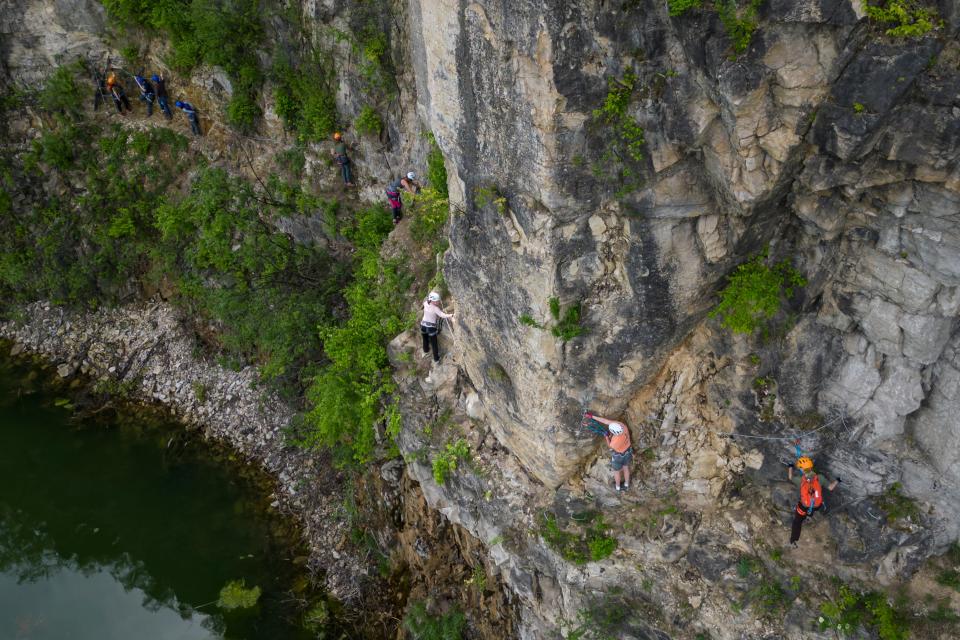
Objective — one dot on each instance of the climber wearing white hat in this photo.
(432, 324)
(407, 183)
(618, 439)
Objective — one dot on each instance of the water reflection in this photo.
(104, 534)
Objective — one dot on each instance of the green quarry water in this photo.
(123, 529)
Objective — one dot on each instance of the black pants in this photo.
(430, 342)
(798, 519)
(121, 101)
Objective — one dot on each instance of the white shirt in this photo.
(432, 312)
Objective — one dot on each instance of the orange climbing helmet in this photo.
(337, 136)
(804, 463)
(111, 80)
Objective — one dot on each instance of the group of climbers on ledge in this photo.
(406, 183)
(617, 436)
(151, 91)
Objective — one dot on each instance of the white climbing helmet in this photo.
(616, 428)
(411, 176)
(433, 297)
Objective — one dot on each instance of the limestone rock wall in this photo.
(827, 139)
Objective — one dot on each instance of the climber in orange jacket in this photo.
(618, 439)
(811, 495)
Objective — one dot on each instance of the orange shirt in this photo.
(621, 442)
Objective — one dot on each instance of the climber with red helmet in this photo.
(811, 495)
(339, 153)
(621, 454)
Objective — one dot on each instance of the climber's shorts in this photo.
(619, 460)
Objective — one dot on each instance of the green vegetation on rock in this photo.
(739, 19)
(590, 543)
(423, 626)
(754, 294)
(347, 396)
(566, 321)
(851, 609)
(445, 462)
(368, 122)
(903, 18)
(215, 32)
(622, 135)
(436, 168)
(304, 96)
(679, 7)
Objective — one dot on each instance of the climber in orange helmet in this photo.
(811, 495)
(117, 93)
(339, 153)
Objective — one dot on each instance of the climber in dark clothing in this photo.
(811, 496)
(339, 153)
(407, 183)
(188, 109)
(117, 93)
(161, 85)
(146, 92)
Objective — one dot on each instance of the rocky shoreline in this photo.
(144, 351)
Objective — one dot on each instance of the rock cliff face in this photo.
(826, 138)
(827, 141)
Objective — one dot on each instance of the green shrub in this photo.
(568, 327)
(605, 617)
(613, 112)
(527, 319)
(949, 578)
(304, 96)
(622, 155)
(423, 626)
(347, 395)
(858, 108)
(679, 7)
(591, 543)
(769, 597)
(896, 505)
(266, 293)
(225, 33)
(851, 609)
(738, 21)
(242, 111)
(445, 463)
(905, 18)
(601, 545)
(429, 216)
(61, 94)
(754, 292)
(368, 122)
(436, 168)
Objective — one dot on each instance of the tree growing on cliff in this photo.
(755, 293)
